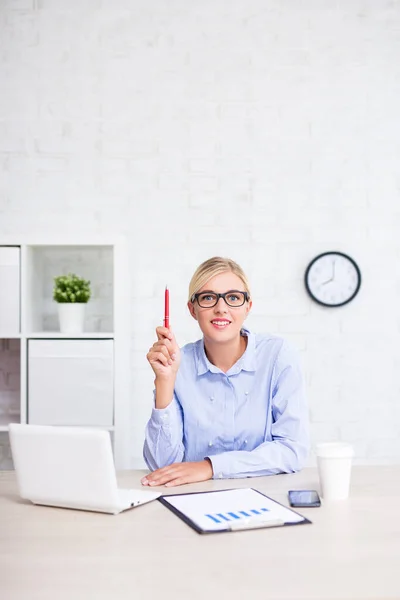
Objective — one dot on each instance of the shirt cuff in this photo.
(220, 465)
(164, 416)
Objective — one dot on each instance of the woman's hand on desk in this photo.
(164, 356)
(180, 473)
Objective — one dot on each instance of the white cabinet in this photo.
(47, 377)
(70, 382)
(9, 290)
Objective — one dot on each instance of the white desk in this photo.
(352, 549)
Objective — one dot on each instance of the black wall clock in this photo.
(332, 279)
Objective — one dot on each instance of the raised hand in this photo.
(164, 356)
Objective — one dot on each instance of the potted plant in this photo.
(72, 294)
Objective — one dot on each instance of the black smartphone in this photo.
(304, 498)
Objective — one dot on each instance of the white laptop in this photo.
(70, 467)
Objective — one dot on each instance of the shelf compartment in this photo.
(43, 263)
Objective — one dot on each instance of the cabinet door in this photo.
(71, 382)
(9, 290)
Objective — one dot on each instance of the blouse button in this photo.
(245, 441)
(212, 398)
(210, 444)
(246, 393)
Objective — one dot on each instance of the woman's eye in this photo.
(233, 298)
(207, 298)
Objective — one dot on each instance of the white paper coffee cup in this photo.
(334, 469)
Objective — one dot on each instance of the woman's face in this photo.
(221, 323)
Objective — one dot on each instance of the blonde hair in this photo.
(212, 267)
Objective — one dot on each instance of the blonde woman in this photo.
(231, 404)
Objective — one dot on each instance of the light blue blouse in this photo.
(250, 421)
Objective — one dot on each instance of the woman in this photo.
(229, 405)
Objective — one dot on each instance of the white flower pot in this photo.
(71, 316)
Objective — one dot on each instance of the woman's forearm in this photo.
(164, 392)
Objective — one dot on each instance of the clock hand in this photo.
(333, 274)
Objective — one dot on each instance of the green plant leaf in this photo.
(71, 288)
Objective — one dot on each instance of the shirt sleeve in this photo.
(288, 449)
(163, 443)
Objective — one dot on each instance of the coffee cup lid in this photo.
(334, 450)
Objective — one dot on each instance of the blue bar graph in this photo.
(213, 519)
(222, 516)
(234, 515)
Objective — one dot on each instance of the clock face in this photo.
(332, 279)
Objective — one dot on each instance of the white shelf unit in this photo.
(47, 377)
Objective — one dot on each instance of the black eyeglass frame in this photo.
(246, 298)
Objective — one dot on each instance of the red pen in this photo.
(166, 308)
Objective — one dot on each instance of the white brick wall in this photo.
(264, 130)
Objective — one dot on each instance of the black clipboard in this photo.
(244, 525)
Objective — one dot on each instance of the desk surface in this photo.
(352, 549)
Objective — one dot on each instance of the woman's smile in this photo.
(220, 323)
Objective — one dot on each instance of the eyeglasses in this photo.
(233, 298)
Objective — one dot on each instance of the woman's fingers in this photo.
(179, 474)
(154, 357)
(178, 481)
(163, 344)
(164, 353)
(162, 348)
(164, 333)
(162, 476)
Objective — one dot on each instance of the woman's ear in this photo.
(190, 306)
(248, 307)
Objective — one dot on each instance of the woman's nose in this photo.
(221, 306)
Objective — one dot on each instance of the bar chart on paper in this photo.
(214, 511)
(236, 516)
